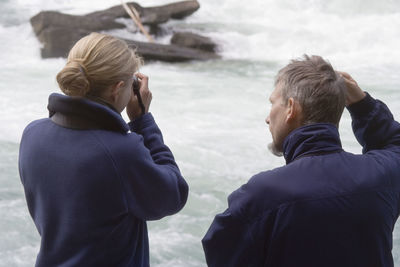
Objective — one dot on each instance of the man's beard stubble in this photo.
(274, 150)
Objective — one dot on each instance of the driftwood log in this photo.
(58, 32)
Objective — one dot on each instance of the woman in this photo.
(90, 184)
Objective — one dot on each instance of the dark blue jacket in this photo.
(325, 208)
(90, 192)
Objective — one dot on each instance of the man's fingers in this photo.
(353, 92)
(142, 76)
(344, 74)
(347, 78)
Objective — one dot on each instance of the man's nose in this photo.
(267, 120)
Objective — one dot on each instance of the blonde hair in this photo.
(96, 62)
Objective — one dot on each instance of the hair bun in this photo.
(73, 80)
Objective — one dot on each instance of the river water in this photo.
(211, 113)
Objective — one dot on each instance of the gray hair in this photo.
(316, 86)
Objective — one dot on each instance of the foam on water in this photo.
(353, 34)
(211, 113)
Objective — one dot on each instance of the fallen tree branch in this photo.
(132, 12)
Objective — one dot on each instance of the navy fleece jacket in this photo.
(90, 192)
(325, 208)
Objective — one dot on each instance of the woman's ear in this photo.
(116, 90)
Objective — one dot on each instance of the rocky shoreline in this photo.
(58, 31)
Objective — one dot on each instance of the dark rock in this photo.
(157, 30)
(47, 19)
(170, 53)
(160, 14)
(151, 15)
(105, 19)
(192, 40)
(57, 41)
(115, 12)
(58, 32)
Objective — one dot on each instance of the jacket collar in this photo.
(313, 139)
(94, 113)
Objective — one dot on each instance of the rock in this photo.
(170, 53)
(115, 12)
(178, 10)
(57, 41)
(192, 40)
(105, 19)
(47, 19)
(151, 15)
(58, 32)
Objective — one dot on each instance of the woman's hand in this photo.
(133, 108)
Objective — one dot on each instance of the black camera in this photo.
(136, 91)
(136, 84)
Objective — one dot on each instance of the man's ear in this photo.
(293, 111)
(116, 90)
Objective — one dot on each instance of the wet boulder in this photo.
(192, 40)
(170, 53)
(58, 32)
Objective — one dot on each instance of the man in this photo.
(326, 207)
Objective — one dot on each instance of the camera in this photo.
(136, 84)
(136, 91)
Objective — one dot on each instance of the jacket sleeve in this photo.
(235, 239)
(156, 186)
(374, 125)
(153, 141)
